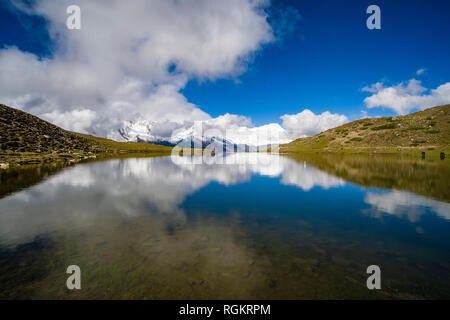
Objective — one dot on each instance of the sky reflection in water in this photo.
(259, 226)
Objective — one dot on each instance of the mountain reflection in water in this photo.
(257, 226)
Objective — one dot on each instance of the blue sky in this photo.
(322, 64)
(332, 55)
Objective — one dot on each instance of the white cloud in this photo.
(421, 71)
(402, 98)
(373, 88)
(76, 120)
(228, 120)
(238, 129)
(307, 177)
(406, 204)
(131, 61)
(306, 123)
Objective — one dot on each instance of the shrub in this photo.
(385, 126)
(356, 139)
(432, 131)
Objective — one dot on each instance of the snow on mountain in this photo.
(207, 133)
(139, 130)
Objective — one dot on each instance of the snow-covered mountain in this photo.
(202, 133)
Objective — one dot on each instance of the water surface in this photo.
(257, 226)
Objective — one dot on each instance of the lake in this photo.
(250, 226)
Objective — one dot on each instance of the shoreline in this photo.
(17, 159)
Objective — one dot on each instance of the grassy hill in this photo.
(427, 130)
(27, 139)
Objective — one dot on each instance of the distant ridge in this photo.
(146, 131)
(425, 130)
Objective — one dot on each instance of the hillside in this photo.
(27, 139)
(423, 130)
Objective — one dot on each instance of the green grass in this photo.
(415, 128)
(114, 146)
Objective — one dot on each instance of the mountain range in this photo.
(201, 134)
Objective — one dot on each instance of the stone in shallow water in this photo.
(271, 283)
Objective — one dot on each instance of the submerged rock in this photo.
(4, 165)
